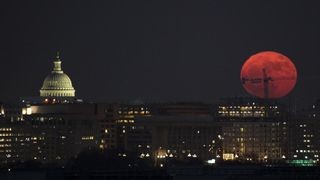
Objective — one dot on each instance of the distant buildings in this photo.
(57, 126)
(180, 131)
(48, 132)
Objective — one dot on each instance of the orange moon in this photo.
(268, 75)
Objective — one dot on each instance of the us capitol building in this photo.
(57, 83)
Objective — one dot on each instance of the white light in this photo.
(265, 157)
(24, 111)
(211, 161)
(194, 156)
(29, 111)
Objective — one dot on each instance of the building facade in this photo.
(253, 130)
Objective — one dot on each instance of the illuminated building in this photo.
(248, 107)
(57, 83)
(169, 131)
(304, 141)
(119, 120)
(107, 132)
(61, 131)
(304, 137)
(252, 130)
(159, 131)
(121, 127)
(51, 128)
(9, 145)
(14, 137)
(49, 132)
(180, 137)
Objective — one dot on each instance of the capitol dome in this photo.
(57, 83)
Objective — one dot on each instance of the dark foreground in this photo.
(183, 173)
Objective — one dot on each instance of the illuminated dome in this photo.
(57, 83)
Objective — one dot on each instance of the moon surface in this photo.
(268, 74)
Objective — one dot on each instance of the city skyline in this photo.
(155, 51)
(160, 89)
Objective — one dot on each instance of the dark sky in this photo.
(116, 50)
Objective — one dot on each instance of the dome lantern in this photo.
(57, 64)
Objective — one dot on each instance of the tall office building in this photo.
(253, 130)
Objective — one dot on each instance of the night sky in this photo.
(116, 50)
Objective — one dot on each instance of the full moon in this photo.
(268, 75)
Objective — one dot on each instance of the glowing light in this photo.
(211, 161)
(228, 156)
(300, 162)
(194, 156)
